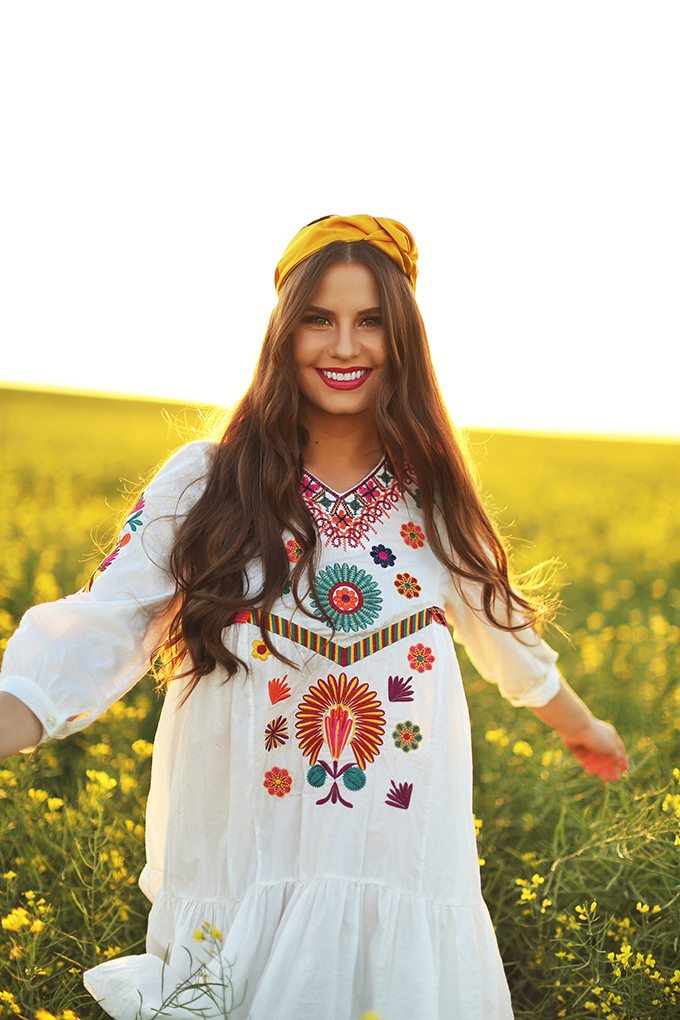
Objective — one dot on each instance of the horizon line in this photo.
(67, 391)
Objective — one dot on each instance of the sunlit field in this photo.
(582, 880)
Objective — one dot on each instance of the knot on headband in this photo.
(391, 237)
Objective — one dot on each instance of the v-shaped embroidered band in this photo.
(344, 656)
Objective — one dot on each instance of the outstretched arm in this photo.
(20, 729)
(595, 744)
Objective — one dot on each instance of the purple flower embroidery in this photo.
(399, 796)
(276, 733)
(399, 689)
(382, 556)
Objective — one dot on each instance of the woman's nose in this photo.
(345, 342)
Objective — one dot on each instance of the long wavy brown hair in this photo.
(253, 486)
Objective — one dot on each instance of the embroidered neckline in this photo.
(345, 519)
(348, 492)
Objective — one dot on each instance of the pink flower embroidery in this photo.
(293, 549)
(412, 535)
(420, 658)
(277, 782)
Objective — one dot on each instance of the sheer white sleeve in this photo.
(70, 660)
(521, 664)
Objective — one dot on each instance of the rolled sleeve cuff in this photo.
(538, 695)
(38, 702)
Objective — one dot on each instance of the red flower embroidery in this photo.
(340, 712)
(278, 782)
(420, 658)
(412, 535)
(278, 690)
(407, 585)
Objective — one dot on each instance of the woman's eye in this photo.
(373, 320)
(316, 320)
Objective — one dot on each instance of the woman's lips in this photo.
(345, 384)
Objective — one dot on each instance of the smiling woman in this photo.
(332, 530)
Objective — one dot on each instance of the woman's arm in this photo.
(20, 729)
(595, 744)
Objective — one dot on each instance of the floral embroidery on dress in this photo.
(420, 658)
(407, 736)
(293, 549)
(382, 556)
(278, 782)
(278, 690)
(412, 535)
(407, 586)
(133, 522)
(276, 733)
(400, 796)
(399, 689)
(337, 713)
(344, 520)
(348, 596)
(260, 650)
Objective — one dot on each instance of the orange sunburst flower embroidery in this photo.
(337, 713)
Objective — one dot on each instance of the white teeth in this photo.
(344, 376)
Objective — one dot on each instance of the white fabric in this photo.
(324, 910)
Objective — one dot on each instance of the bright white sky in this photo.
(157, 158)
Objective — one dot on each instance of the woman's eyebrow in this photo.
(327, 311)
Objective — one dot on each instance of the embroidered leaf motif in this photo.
(399, 796)
(278, 690)
(316, 775)
(399, 689)
(354, 778)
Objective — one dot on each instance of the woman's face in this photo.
(340, 346)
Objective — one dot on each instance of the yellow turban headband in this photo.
(391, 237)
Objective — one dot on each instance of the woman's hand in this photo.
(599, 749)
(595, 744)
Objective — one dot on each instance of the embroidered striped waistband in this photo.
(348, 655)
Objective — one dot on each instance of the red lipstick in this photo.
(344, 384)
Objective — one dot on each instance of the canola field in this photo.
(582, 880)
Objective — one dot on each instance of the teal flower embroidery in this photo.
(407, 736)
(348, 596)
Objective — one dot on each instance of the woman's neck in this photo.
(342, 449)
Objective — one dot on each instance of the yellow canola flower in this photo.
(68, 1014)
(54, 803)
(643, 907)
(38, 796)
(102, 779)
(10, 874)
(216, 934)
(142, 748)
(37, 926)
(498, 736)
(16, 919)
(43, 1014)
(522, 750)
(199, 935)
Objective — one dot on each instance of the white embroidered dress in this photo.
(320, 819)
